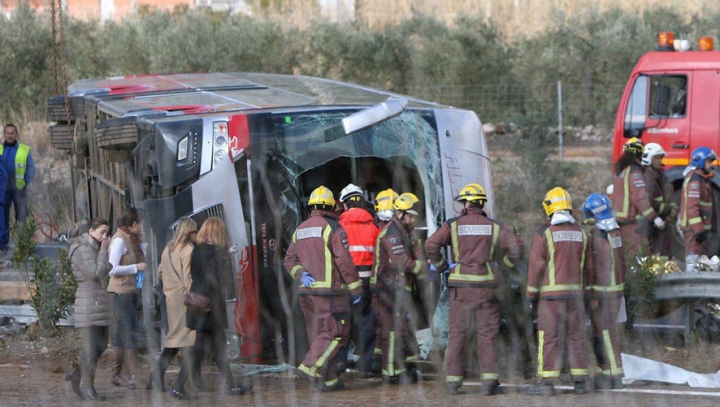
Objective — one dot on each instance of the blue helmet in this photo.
(700, 155)
(598, 207)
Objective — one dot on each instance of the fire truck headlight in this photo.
(182, 148)
(219, 156)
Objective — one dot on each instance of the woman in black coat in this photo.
(210, 259)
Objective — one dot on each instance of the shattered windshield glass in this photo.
(310, 140)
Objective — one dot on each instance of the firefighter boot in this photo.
(116, 360)
(492, 388)
(541, 389)
(580, 387)
(131, 363)
(453, 388)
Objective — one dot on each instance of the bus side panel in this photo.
(464, 156)
(220, 186)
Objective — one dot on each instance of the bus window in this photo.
(669, 96)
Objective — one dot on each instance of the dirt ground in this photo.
(31, 374)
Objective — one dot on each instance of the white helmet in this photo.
(650, 151)
(350, 191)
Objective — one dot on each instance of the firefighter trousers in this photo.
(606, 338)
(561, 325)
(634, 238)
(328, 326)
(692, 246)
(400, 345)
(481, 308)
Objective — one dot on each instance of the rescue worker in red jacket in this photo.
(362, 234)
(475, 241)
(319, 259)
(384, 213)
(605, 286)
(696, 206)
(395, 267)
(660, 194)
(631, 201)
(559, 262)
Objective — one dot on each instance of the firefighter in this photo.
(559, 261)
(660, 194)
(474, 241)
(630, 199)
(319, 260)
(395, 268)
(696, 206)
(605, 286)
(384, 207)
(362, 234)
(383, 215)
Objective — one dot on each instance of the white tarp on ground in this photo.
(637, 368)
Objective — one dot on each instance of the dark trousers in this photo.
(468, 305)
(19, 200)
(399, 334)
(561, 325)
(606, 338)
(328, 327)
(125, 306)
(365, 322)
(95, 341)
(190, 365)
(218, 352)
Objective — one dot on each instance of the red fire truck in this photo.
(672, 98)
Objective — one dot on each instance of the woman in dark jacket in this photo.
(89, 258)
(210, 259)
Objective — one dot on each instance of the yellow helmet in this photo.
(322, 196)
(472, 193)
(384, 200)
(634, 146)
(408, 202)
(557, 199)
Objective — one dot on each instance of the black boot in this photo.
(74, 377)
(492, 389)
(91, 394)
(541, 389)
(453, 388)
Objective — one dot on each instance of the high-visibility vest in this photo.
(23, 151)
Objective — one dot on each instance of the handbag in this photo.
(191, 299)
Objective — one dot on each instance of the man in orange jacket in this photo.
(362, 234)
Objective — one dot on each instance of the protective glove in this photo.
(659, 223)
(450, 267)
(307, 280)
(702, 236)
(356, 300)
(139, 277)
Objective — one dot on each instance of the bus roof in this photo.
(232, 91)
(674, 60)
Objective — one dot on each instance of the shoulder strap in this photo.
(334, 225)
(173, 267)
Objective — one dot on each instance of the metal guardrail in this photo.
(688, 286)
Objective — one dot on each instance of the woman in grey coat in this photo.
(89, 257)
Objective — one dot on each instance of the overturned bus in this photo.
(249, 148)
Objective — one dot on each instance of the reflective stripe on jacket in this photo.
(630, 198)
(395, 262)
(696, 207)
(660, 192)
(559, 262)
(607, 277)
(320, 247)
(361, 234)
(475, 241)
(21, 158)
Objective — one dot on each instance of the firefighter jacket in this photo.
(696, 206)
(396, 264)
(630, 197)
(361, 234)
(607, 276)
(320, 247)
(475, 241)
(559, 262)
(660, 192)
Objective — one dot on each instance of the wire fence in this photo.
(531, 105)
